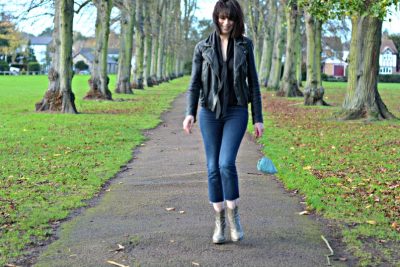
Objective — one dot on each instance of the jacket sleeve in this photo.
(254, 86)
(195, 83)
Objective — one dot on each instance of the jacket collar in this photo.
(239, 53)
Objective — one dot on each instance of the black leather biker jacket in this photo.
(205, 77)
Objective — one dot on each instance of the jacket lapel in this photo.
(239, 54)
(210, 55)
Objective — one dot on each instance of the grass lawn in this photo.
(50, 163)
(347, 171)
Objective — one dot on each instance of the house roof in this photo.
(41, 40)
(88, 54)
(113, 51)
(388, 44)
(334, 60)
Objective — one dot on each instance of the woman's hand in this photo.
(188, 124)
(258, 129)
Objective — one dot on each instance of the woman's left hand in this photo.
(258, 129)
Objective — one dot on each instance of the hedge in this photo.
(390, 78)
(33, 66)
(4, 66)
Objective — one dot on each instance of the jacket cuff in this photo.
(256, 119)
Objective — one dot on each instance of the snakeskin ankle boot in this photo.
(219, 230)
(234, 223)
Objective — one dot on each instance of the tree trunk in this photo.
(177, 46)
(268, 43)
(161, 46)
(138, 82)
(189, 7)
(99, 80)
(255, 24)
(147, 45)
(353, 59)
(288, 86)
(126, 8)
(363, 100)
(313, 92)
(153, 65)
(279, 38)
(155, 21)
(59, 96)
(299, 47)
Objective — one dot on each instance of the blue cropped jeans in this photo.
(222, 138)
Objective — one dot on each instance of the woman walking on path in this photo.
(225, 80)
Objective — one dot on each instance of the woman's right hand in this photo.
(188, 124)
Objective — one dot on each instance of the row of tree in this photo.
(275, 27)
(156, 31)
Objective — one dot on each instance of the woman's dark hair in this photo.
(232, 10)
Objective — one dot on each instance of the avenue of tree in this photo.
(154, 35)
(156, 42)
(276, 27)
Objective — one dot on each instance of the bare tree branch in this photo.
(82, 5)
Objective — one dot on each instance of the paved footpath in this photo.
(169, 171)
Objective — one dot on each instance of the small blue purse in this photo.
(265, 165)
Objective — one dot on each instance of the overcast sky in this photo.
(85, 22)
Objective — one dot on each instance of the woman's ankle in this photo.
(218, 206)
(231, 204)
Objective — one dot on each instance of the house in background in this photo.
(388, 63)
(388, 57)
(334, 66)
(39, 46)
(87, 55)
(333, 56)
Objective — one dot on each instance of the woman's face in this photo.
(225, 24)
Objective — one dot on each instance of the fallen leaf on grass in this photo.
(372, 222)
(307, 168)
(170, 209)
(395, 225)
(117, 264)
(304, 212)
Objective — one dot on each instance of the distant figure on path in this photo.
(225, 80)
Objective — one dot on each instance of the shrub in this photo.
(390, 78)
(33, 66)
(187, 68)
(4, 66)
(335, 79)
(81, 65)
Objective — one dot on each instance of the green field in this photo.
(50, 163)
(346, 171)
